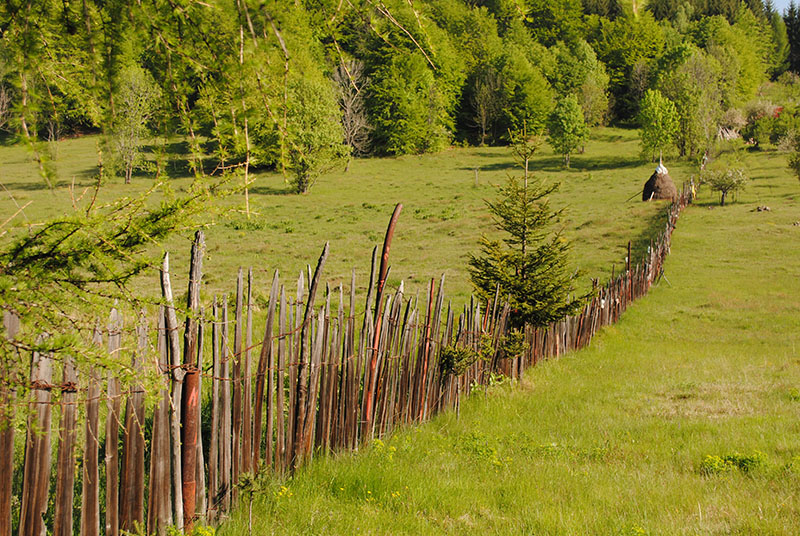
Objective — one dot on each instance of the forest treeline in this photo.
(301, 85)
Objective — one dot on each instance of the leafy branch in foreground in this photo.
(56, 275)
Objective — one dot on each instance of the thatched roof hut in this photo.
(660, 185)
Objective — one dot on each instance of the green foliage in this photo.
(455, 359)
(408, 107)
(136, 102)
(746, 463)
(566, 127)
(529, 265)
(725, 180)
(658, 119)
(553, 20)
(620, 45)
(693, 84)
(314, 132)
(578, 71)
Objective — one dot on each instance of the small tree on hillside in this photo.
(314, 132)
(658, 118)
(136, 102)
(529, 264)
(726, 181)
(567, 127)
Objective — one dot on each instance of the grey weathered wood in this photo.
(190, 398)
(247, 384)
(113, 423)
(132, 476)
(7, 399)
(225, 408)
(236, 384)
(173, 347)
(266, 374)
(214, 469)
(280, 434)
(90, 496)
(159, 505)
(36, 476)
(200, 472)
(65, 466)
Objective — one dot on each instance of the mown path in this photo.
(613, 439)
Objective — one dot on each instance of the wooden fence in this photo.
(318, 380)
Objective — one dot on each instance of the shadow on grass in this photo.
(272, 190)
(653, 226)
(497, 166)
(40, 184)
(584, 163)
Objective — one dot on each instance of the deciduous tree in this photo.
(136, 101)
(658, 120)
(567, 127)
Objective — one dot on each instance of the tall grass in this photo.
(629, 436)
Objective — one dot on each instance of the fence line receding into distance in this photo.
(319, 380)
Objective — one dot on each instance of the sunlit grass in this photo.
(444, 212)
(612, 439)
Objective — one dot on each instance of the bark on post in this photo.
(300, 401)
(132, 482)
(190, 402)
(36, 479)
(373, 378)
(114, 404)
(266, 364)
(7, 396)
(65, 467)
(90, 504)
(247, 384)
(159, 506)
(173, 347)
(236, 419)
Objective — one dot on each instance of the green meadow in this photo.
(680, 419)
(443, 216)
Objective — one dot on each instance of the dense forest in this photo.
(301, 86)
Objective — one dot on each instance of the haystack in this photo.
(660, 185)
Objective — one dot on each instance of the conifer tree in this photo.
(529, 264)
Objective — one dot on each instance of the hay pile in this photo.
(659, 186)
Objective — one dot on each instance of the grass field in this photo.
(681, 419)
(444, 212)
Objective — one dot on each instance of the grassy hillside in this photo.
(681, 419)
(444, 212)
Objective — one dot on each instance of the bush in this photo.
(729, 180)
(714, 465)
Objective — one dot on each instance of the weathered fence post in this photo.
(114, 405)
(132, 478)
(173, 349)
(7, 397)
(266, 364)
(65, 467)
(303, 366)
(36, 478)
(90, 503)
(190, 402)
(159, 506)
(373, 377)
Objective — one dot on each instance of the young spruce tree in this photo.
(529, 264)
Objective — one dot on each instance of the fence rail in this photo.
(319, 380)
